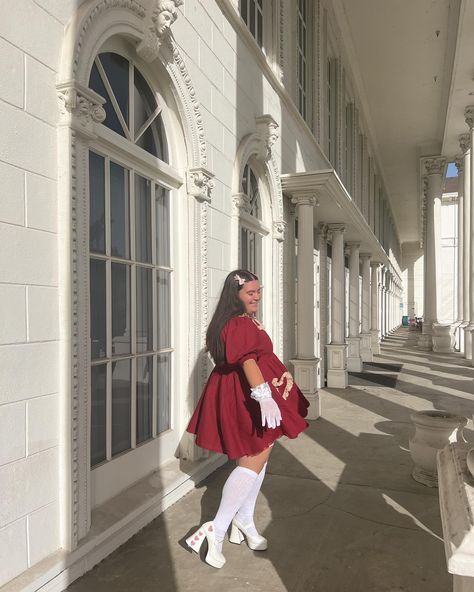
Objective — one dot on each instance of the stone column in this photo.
(464, 142)
(322, 245)
(365, 336)
(306, 364)
(336, 350)
(374, 309)
(469, 113)
(434, 171)
(354, 361)
(460, 302)
(381, 302)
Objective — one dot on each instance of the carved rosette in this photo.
(465, 142)
(279, 230)
(80, 107)
(200, 183)
(162, 15)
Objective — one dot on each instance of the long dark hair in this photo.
(229, 306)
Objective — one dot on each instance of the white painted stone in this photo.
(224, 51)
(41, 96)
(43, 423)
(28, 370)
(210, 65)
(12, 433)
(27, 256)
(219, 226)
(13, 550)
(215, 257)
(222, 110)
(41, 203)
(216, 281)
(28, 485)
(42, 38)
(12, 74)
(59, 9)
(43, 532)
(12, 314)
(199, 19)
(27, 142)
(213, 129)
(12, 203)
(42, 314)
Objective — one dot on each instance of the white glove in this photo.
(271, 414)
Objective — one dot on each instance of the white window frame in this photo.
(116, 473)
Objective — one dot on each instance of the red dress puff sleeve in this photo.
(240, 337)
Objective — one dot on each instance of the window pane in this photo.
(164, 384)
(98, 330)
(243, 10)
(119, 211)
(259, 35)
(116, 68)
(251, 24)
(144, 398)
(120, 309)
(96, 203)
(144, 310)
(121, 406)
(98, 413)
(111, 119)
(145, 101)
(142, 219)
(164, 312)
(162, 226)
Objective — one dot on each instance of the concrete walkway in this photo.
(338, 506)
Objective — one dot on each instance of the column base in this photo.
(443, 337)
(426, 338)
(365, 347)
(375, 341)
(307, 376)
(354, 361)
(337, 365)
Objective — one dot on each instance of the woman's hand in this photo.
(271, 414)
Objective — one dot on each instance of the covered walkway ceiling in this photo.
(402, 55)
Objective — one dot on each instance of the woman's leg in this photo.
(236, 490)
(246, 511)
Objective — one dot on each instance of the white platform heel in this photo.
(213, 557)
(239, 533)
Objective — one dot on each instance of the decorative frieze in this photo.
(163, 14)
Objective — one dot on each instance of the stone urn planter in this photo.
(433, 431)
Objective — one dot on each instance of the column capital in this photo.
(435, 166)
(336, 228)
(459, 162)
(375, 264)
(322, 229)
(464, 142)
(366, 255)
(304, 198)
(469, 116)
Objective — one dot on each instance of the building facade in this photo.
(150, 147)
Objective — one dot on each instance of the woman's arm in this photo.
(252, 373)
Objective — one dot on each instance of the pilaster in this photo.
(374, 306)
(354, 361)
(469, 116)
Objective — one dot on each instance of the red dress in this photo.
(226, 418)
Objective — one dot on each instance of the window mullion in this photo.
(148, 122)
(115, 104)
(108, 284)
(131, 95)
(154, 292)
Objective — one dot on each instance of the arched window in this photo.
(252, 229)
(130, 214)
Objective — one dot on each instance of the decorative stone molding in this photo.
(322, 230)
(80, 107)
(465, 142)
(469, 116)
(267, 135)
(162, 15)
(435, 166)
(200, 183)
(279, 230)
(459, 162)
(336, 228)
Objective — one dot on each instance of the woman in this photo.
(249, 401)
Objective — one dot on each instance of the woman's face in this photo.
(250, 294)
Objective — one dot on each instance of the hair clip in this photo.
(237, 278)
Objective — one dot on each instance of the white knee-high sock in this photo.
(235, 491)
(247, 509)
